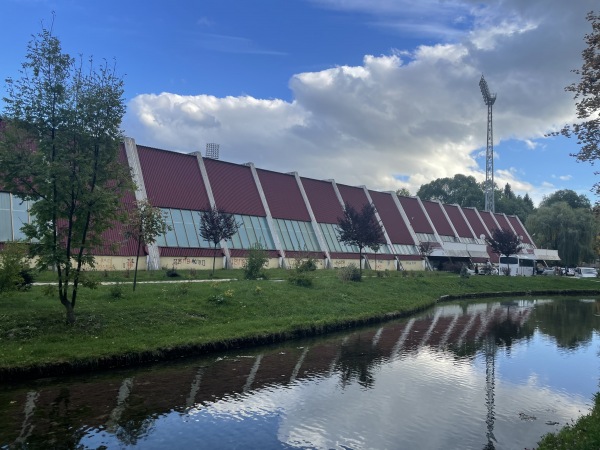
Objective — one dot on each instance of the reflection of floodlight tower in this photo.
(489, 152)
(212, 151)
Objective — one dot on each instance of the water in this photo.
(498, 374)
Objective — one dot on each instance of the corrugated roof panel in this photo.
(234, 188)
(462, 228)
(475, 223)
(172, 180)
(487, 218)
(323, 201)
(392, 220)
(437, 216)
(415, 215)
(354, 196)
(516, 223)
(283, 195)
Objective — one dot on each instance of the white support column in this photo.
(270, 221)
(313, 220)
(211, 199)
(466, 221)
(437, 236)
(448, 219)
(510, 224)
(133, 160)
(482, 222)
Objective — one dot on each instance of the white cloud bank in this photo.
(402, 119)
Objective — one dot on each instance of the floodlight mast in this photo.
(489, 100)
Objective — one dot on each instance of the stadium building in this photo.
(289, 215)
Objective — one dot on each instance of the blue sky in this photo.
(382, 93)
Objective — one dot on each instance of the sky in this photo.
(382, 93)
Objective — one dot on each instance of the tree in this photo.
(587, 96)
(570, 197)
(505, 243)
(570, 231)
(403, 192)
(145, 224)
(217, 226)
(361, 229)
(508, 202)
(461, 190)
(60, 148)
(425, 249)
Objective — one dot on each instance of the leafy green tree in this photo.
(145, 224)
(60, 148)
(361, 229)
(403, 192)
(505, 243)
(14, 266)
(570, 231)
(508, 202)
(217, 226)
(587, 96)
(570, 197)
(461, 190)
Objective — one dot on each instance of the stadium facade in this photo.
(290, 215)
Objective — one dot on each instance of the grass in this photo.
(116, 326)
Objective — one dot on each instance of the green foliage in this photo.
(587, 94)
(361, 229)
(14, 267)
(255, 262)
(349, 273)
(570, 231)
(116, 291)
(568, 196)
(172, 273)
(461, 189)
(300, 278)
(581, 435)
(59, 149)
(216, 226)
(184, 288)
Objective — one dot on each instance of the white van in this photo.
(586, 272)
(520, 265)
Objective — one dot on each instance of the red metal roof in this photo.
(172, 179)
(234, 188)
(475, 223)
(516, 223)
(354, 196)
(415, 215)
(392, 220)
(437, 216)
(462, 228)
(283, 195)
(323, 201)
(488, 219)
(502, 221)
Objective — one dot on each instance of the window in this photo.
(5, 218)
(296, 235)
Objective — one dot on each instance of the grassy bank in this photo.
(116, 326)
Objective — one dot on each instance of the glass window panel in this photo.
(298, 234)
(249, 230)
(4, 201)
(258, 230)
(5, 225)
(267, 232)
(20, 218)
(292, 234)
(170, 237)
(285, 235)
(243, 234)
(308, 234)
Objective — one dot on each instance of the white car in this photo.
(586, 272)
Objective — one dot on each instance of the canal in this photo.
(497, 374)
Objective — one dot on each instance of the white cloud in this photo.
(416, 114)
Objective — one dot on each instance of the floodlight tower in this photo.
(489, 100)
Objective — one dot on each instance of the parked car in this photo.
(586, 272)
(547, 271)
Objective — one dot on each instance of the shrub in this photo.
(116, 291)
(172, 273)
(349, 273)
(14, 268)
(300, 278)
(254, 265)
(183, 288)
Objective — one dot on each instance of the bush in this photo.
(300, 278)
(116, 291)
(349, 273)
(254, 265)
(172, 273)
(14, 268)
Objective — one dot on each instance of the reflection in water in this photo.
(458, 376)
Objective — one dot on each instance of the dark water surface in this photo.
(493, 375)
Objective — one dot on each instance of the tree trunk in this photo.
(137, 258)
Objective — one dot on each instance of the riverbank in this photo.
(117, 327)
